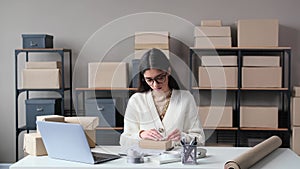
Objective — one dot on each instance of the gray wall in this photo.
(73, 22)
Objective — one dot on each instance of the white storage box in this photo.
(266, 61)
(43, 65)
(218, 77)
(219, 60)
(41, 79)
(212, 42)
(211, 23)
(220, 31)
(147, 40)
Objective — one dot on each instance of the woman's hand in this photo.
(175, 135)
(151, 134)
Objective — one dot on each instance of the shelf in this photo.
(208, 88)
(221, 128)
(43, 50)
(243, 48)
(268, 89)
(106, 89)
(262, 129)
(109, 128)
(22, 90)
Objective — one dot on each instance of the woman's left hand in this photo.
(175, 135)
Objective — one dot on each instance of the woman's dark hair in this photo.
(156, 59)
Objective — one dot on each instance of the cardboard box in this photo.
(160, 145)
(53, 118)
(41, 79)
(264, 61)
(218, 77)
(296, 140)
(258, 33)
(34, 145)
(148, 40)
(255, 116)
(138, 54)
(296, 91)
(219, 60)
(89, 125)
(108, 74)
(211, 23)
(216, 116)
(295, 115)
(257, 77)
(43, 65)
(217, 31)
(212, 42)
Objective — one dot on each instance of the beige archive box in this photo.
(148, 40)
(258, 77)
(211, 23)
(159, 145)
(41, 79)
(217, 31)
(138, 54)
(216, 116)
(257, 33)
(264, 61)
(89, 125)
(295, 115)
(218, 77)
(296, 140)
(257, 116)
(212, 42)
(34, 145)
(296, 91)
(219, 60)
(43, 65)
(108, 74)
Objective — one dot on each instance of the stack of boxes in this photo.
(295, 120)
(143, 42)
(211, 34)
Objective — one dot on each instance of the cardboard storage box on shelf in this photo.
(217, 31)
(296, 140)
(41, 79)
(218, 77)
(34, 145)
(216, 116)
(219, 60)
(108, 74)
(257, 116)
(211, 23)
(89, 125)
(212, 42)
(295, 115)
(43, 65)
(258, 77)
(151, 144)
(147, 40)
(266, 61)
(257, 33)
(138, 54)
(296, 91)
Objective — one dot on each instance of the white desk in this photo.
(216, 158)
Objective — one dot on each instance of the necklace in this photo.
(163, 111)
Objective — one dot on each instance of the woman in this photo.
(160, 110)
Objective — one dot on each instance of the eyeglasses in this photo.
(159, 79)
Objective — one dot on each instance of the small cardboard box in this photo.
(108, 74)
(53, 118)
(147, 40)
(218, 77)
(264, 61)
(258, 33)
(41, 79)
(160, 145)
(43, 65)
(216, 116)
(258, 77)
(295, 111)
(296, 91)
(34, 145)
(211, 23)
(217, 31)
(212, 42)
(219, 60)
(89, 125)
(138, 54)
(268, 116)
(296, 140)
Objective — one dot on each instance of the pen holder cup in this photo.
(189, 154)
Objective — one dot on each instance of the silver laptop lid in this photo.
(65, 141)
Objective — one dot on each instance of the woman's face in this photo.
(157, 79)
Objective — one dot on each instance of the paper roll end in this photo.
(231, 165)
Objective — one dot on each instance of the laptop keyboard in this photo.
(103, 157)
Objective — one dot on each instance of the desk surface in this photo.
(216, 158)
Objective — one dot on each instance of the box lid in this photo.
(37, 36)
(42, 100)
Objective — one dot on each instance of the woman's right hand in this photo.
(151, 134)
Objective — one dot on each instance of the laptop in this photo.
(67, 141)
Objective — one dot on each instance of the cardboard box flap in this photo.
(88, 123)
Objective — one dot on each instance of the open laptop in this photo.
(67, 141)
